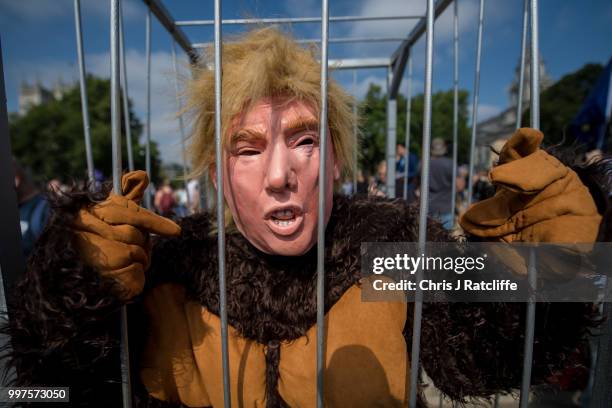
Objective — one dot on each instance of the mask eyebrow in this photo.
(300, 124)
(246, 135)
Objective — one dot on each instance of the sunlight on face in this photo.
(271, 176)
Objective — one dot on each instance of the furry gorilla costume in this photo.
(65, 323)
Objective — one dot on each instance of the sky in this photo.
(38, 44)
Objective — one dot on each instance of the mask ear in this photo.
(336, 171)
(212, 173)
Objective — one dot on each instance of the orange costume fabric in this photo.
(538, 199)
(366, 357)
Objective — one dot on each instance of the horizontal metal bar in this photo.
(284, 20)
(400, 56)
(419, 29)
(358, 63)
(352, 39)
(331, 40)
(164, 17)
(348, 63)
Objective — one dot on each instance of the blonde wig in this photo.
(263, 63)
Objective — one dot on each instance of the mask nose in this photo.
(280, 175)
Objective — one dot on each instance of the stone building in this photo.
(36, 94)
(493, 132)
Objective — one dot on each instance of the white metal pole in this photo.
(124, 88)
(531, 271)
(455, 107)
(391, 141)
(321, 209)
(179, 108)
(408, 120)
(83, 84)
(148, 203)
(117, 173)
(424, 204)
(220, 210)
(475, 104)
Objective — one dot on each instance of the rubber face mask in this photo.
(271, 176)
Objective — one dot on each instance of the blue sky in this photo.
(38, 43)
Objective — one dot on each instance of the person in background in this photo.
(362, 184)
(193, 191)
(378, 186)
(164, 200)
(482, 188)
(34, 209)
(440, 184)
(400, 160)
(400, 169)
(181, 208)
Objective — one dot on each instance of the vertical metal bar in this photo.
(531, 272)
(455, 105)
(408, 117)
(227, 402)
(424, 204)
(529, 333)
(475, 103)
(535, 67)
(117, 170)
(321, 208)
(83, 83)
(355, 133)
(180, 119)
(124, 89)
(521, 84)
(391, 136)
(148, 106)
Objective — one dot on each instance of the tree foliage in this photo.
(49, 140)
(374, 125)
(560, 103)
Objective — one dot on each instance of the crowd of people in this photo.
(171, 200)
(440, 183)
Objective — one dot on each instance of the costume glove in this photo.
(113, 236)
(538, 198)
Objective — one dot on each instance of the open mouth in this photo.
(283, 218)
(285, 221)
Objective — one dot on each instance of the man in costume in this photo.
(97, 255)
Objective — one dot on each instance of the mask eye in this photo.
(248, 152)
(307, 141)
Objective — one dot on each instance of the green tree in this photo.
(374, 124)
(560, 103)
(49, 140)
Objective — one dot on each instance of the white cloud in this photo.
(364, 83)
(485, 111)
(495, 11)
(164, 126)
